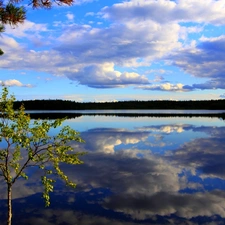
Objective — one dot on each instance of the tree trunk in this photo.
(9, 220)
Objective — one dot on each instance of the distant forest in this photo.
(164, 104)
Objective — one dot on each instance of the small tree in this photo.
(25, 143)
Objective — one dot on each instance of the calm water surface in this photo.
(128, 111)
(142, 170)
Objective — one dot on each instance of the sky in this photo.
(116, 50)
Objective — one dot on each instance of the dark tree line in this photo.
(72, 105)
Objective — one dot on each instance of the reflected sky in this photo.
(140, 170)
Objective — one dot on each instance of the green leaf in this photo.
(29, 144)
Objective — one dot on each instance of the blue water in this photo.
(129, 111)
(142, 170)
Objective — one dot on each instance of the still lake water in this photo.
(138, 170)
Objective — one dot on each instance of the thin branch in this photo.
(21, 170)
(3, 171)
(25, 165)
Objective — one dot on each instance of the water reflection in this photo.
(136, 172)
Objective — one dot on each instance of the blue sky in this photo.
(98, 50)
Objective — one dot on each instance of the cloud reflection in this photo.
(106, 139)
(203, 154)
(124, 182)
(165, 203)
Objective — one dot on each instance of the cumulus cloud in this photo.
(82, 48)
(173, 11)
(136, 36)
(106, 77)
(164, 87)
(205, 60)
(121, 44)
(26, 28)
(14, 82)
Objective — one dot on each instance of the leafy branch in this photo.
(27, 143)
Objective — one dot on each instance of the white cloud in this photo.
(123, 45)
(83, 52)
(209, 11)
(204, 60)
(137, 36)
(90, 14)
(26, 28)
(14, 82)
(164, 87)
(8, 43)
(70, 16)
(105, 76)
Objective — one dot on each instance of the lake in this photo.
(138, 170)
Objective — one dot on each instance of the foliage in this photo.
(26, 143)
(155, 104)
(13, 15)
